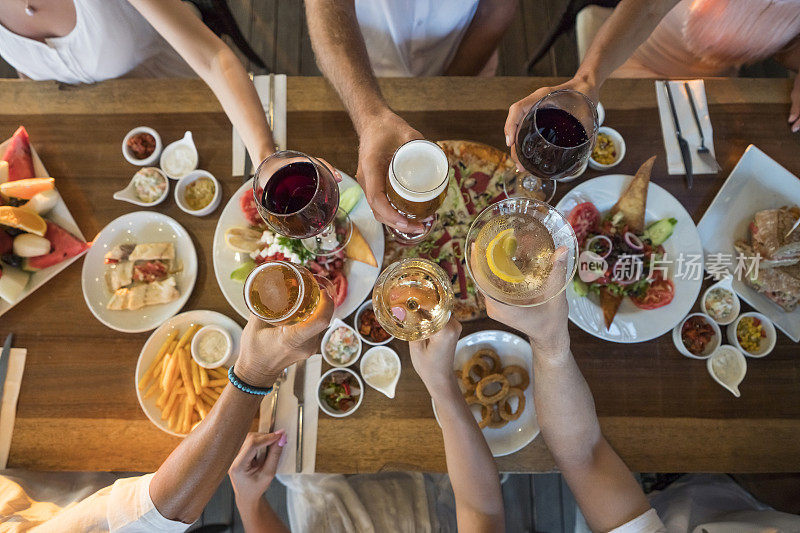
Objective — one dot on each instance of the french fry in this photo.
(219, 372)
(203, 376)
(179, 422)
(214, 383)
(172, 399)
(187, 337)
(171, 371)
(186, 375)
(212, 394)
(152, 389)
(195, 377)
(157, 360)
(173, 419)
(187, 416)
(201, 408)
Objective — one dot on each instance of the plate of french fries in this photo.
(174, 391)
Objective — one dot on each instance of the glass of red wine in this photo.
(298, 197)
(555, 139)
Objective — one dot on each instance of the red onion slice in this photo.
(632, 240)
(607, 240)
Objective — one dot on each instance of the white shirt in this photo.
(110, 40)
(407, 38)
(124, 506)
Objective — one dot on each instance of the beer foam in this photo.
(418, 171)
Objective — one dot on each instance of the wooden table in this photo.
(662, 412)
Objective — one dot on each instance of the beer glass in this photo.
(282, 293)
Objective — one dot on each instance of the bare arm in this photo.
(789, 57)
(473, 473)
(342, 58)
(607, 493)
(217, 65)
(187, 479)
(492, 19)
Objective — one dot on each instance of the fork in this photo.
(702, 150)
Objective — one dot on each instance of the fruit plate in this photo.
(513, 350)
(632, 324)
(360, 276)
(157, 338)
(137, 227)
(60, 215)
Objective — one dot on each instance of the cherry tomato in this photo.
(584, 218)
(659, 293)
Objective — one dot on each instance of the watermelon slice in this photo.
(18, 156)
(63, 246)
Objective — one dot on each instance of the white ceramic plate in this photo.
(157, 338)
(632, 324)
(757, 182)
(513, 350)
(137, 227)
(360, 276)
(61, 216)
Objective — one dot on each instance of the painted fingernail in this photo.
(508, 140)
(283, 440)
(795, 128)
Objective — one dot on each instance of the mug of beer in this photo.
(282, 293)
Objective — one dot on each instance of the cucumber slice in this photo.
(580, 288)
(241, 273)
(660, 231)
(349, 198)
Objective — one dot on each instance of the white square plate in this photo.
(757, 182)
(61, 216)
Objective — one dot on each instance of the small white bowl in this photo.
(737, 372)
(323, 405)
(336, 324)
(601, 114)
(724, 284)
(149, 160)
(367, 305)
(710, 347)
(128, 194)
(200, 334)
(180, 188)
(389, 390)
(618, 141)
(188, 141)
(767, 343)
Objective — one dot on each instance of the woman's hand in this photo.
(254, 468)
(379, 139)
(433, 357)
(518, 110)
(267, 350)
(794, 113)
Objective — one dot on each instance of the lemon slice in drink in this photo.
(498, 257)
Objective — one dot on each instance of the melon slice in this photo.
(12, 282)
(18, 156)
(63, 246)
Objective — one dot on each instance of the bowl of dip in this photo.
(721, 303)
(198, 193)
(728, 367)
(211, 346)
(753, 334)
(141, 146)
(148, 187)
(368, 327)
(179, 158)
(609, 149)
(380, 369)
(340, 392)
(697, 336)
(341, 345)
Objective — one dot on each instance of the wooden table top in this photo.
(662, 412)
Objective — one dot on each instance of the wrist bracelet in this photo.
(244, 387)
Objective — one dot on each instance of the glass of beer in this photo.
(282, 293)
(413, 299)
(298, 197)
(417, 185)
(512, 248)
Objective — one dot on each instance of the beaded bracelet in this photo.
(244, 387)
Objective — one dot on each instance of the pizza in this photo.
(476, 181)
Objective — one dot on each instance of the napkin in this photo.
(688, 125)
(286, 417)
(277, 123)
(8, 407)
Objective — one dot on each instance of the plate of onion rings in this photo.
(494, 371)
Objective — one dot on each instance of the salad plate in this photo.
(631, 323)
(360, 276)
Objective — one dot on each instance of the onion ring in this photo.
(487, 353)
(492, 398)
(504, 408)
(516, 370)
(487, 413)
(482, 369)
(495, 420)
(471, 399)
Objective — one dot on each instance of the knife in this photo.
(5, 356)
(299, 392)
(684, 146)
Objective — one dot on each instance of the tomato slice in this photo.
(247, 203)
(340, 287)
(584, 218)
(659, 293)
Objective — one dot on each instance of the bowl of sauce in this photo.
(609, 149)
(368, 327)
(697, 336)
(753, 334)
(180, 157)
(198, 193)
(141, 146)
(211, 346)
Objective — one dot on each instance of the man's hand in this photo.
(267, 350)
(794, 113)
(379, 138)
(518, 110)
(433, 357)
(254, 468)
